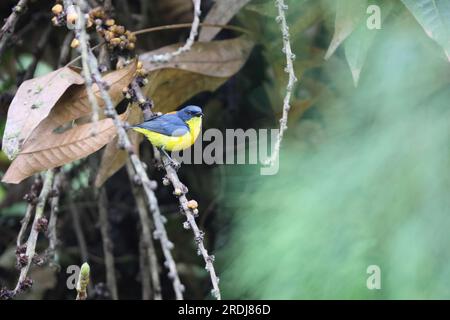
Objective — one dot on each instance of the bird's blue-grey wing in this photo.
(167, 124)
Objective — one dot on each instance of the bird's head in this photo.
(190, 112)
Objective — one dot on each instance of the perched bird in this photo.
(173, 131)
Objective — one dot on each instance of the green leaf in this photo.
(434, 17)
(358, 44)
(348, 15)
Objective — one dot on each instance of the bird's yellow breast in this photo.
(175, 143)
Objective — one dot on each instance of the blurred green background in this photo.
(364, 180)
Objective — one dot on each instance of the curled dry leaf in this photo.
(204, 68)
(55, 141)
(32, 103)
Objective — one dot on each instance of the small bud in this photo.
(130, 46)
(177, 192)
(75, 43)
(120, 30)
(72, 18)
(57, 9)
(139, 65)
(110, 22)
(115, 42)
(165, 181)
(55, 21)
(192, 204)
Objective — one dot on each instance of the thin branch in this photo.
(83, 38)
(24, 224)
(38, 52)
(180, 190)
(54, 209)
(146, 242)
(281, 19)
(160, 231)
(75, 214)
(10, 24)
(107, 244)
(39, 224)
(189, 42)
(188, 25)
(144, 270)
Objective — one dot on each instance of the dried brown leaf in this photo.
(32, 103)
(59, 149)
(48, 147)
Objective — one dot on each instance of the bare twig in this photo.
(83, 38)
(37, 53)
(188, 25)
(281, 19)
(78, 229)
(180, 190)
(144, 270)
(146, 242)
(24, 224)
(54, 208)
(189, 42)
(107, 243)
(10, 24)
(39, 224)
(65, 50)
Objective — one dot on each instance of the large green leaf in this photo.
(434, 17)
(348, 15)
(360, 41)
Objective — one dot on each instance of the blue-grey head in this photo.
(189, 112)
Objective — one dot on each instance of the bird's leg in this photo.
(173, 163)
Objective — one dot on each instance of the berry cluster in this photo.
(116, 36)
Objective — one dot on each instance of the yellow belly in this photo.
(174, 143)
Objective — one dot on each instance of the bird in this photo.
(173, 131)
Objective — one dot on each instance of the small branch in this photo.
(54, 209)
(78, 229)
(146, 242)
(39, 224)
(180, 190)
(281, 19)
(37, 53)
(107, 244)
(189, 25)
(24, 224)
(189, 42)
(83, 39)
(144, 270)
(8, 28)
(64, 57)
